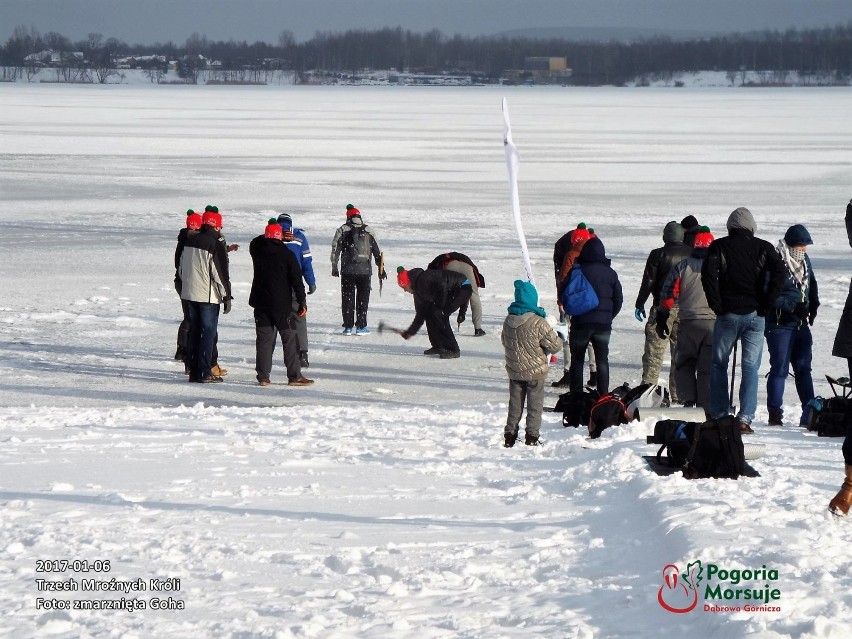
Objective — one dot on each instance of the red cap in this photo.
(212, 219)
(273, 232)
(194, 221)
(703, 238)
(402, 276)
(580, 234)
(352, 211)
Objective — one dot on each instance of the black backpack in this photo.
(702, 449)
(831, 417)
(576, 408)
(357, 247)
(609, 410)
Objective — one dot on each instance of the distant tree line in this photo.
(826, 51)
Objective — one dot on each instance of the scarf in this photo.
(794, 260)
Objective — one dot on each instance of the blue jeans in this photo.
(730, 328)
(203, 322)
(789, 346)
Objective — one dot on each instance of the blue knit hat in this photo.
(797, 235)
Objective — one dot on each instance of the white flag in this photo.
(512, 162)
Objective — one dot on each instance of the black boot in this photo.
(563, 382)
(509, 440)
(303, 359)
(531, 440)
(593, 380)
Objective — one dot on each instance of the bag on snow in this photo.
(576, 408)
(579, 297)
(646, 396)
(703, 449)
(608, 411)
(832, 416)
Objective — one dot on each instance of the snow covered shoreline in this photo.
(381, 503)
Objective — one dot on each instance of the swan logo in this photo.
(679, 594)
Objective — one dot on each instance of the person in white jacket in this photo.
(528, 340)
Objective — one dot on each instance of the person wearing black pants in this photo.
(277, 282)
(355, 299)
(841, 502)
(437, 295)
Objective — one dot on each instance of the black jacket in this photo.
(742, 274)
(277, 277)
(843, 339)
(432, 290)
(659, 265)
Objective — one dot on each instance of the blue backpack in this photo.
(579, 296)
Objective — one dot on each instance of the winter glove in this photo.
(383, 275)
(334, 271)
(312, 288)
(639, 313)
(233, 247)
(662, 326)
(227, 302)
(801, 311)
(178, 284)
(812, 315)
(303, 310)
(461, 317)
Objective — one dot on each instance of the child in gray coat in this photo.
(528, 340)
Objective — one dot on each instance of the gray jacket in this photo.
(528, 340)
(342, 248)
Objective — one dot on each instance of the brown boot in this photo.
(843, 499)
(218, 370)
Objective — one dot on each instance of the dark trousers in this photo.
(183, 337)
(847, 443)
(579, 340)
(268, 327)
(203, 322)
(355, 299)
(438, 321)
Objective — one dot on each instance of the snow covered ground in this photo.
(380, 502)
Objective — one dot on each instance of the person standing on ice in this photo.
(437, 295)
(742, 276)
(296, 240)
(788, 322)
(214, 367)
(528, 339)
(461, 263)
(355, 245)
(840, 503)
(565, 253)
(657, 267)
(276, 289)
(595, 327)
(205, 284)
(193, 224)
(691, 360)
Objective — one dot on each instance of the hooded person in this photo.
(296, 240)
(682, 289)
(437, 295)
(595, 326)
(528, 339)
(355, 246)
(691, 228)
(276, 289)
(742, 276)
(657, 268)
(788, 322)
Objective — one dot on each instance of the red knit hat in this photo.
(351, 210)
(212, 219)
(580, 234)
(703, 238)
(193, 221)
(273, 231)
(402, 276)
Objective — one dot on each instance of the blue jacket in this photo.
(604, 280)
(298, 244)
(781, 312)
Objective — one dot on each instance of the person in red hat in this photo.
(682, 288)
(276, 289)
(437, 295)
(355, 247)
(192, 225)
(205, 284)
